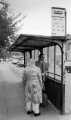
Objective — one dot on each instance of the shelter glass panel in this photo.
(45, 52)
(51, 61)
(36, 55)
(58, 64)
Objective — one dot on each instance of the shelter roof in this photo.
(27, 42)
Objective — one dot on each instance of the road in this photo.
(12, 97)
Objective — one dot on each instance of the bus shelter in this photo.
(54, 80)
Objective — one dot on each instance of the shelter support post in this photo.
(62, 86)
(30, 54)
(24, 60)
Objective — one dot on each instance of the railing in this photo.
(53, 76)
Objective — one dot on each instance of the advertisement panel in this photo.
(58, 21)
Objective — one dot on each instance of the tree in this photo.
(6, 27)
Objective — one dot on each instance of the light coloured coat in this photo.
(32, 84)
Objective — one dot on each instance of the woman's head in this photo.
(41, 57)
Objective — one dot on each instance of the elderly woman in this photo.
(33, 88)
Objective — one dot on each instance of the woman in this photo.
(44, 69)
(33, 87)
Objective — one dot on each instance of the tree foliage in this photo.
(6, 27)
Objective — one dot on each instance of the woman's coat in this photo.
(33, 84)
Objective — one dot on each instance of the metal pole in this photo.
(30, 53)
(24, 59)
(62, 85)
(34, 54)
(54, 60)
(65, 24)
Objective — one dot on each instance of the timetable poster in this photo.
(58, 21)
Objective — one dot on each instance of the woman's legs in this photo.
(28, 106)
(35, 108)
(32, 108)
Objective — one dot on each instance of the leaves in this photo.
(6, 27)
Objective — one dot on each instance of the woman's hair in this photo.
(41, 56)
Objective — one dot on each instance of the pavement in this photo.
(12, 105)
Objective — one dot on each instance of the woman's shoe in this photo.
(29, 112)
(36, 114)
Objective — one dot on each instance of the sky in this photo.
(38, 15)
